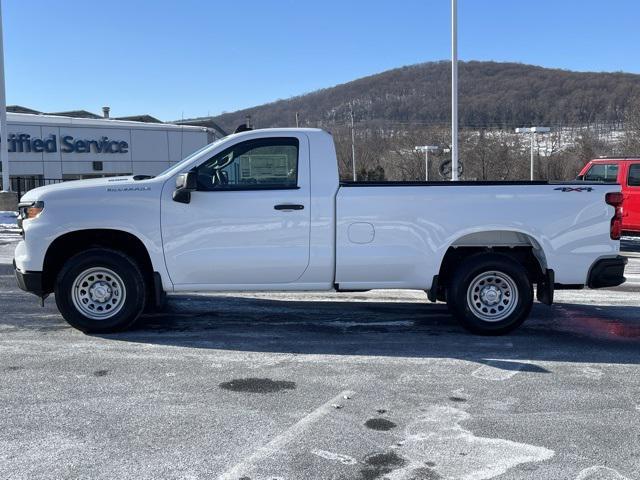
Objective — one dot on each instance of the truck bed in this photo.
(398, 239)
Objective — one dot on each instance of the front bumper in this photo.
(29, 281)
(607, 272)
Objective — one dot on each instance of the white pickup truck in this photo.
(264, 210)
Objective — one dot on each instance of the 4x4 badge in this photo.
(574, 189)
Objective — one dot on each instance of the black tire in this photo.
(467, 305)
(127, 293)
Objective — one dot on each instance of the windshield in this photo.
(178, 166)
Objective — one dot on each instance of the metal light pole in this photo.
(532, 131)
(4, 153)
(454, 90)
(532, 161)
(353, 146)
(426, 149)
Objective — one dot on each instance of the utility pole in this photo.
(4, 153)
(297, 121)
(454, 90)
(353, 145)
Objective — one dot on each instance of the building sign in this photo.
(24, 143)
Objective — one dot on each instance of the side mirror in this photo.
(185, 184)
(580, 177)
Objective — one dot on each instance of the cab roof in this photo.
(617, 159)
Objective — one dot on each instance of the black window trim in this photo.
(631, 165)
(264, 141)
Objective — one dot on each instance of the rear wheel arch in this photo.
(520, 246)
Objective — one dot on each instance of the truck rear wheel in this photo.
(100, 291)
(490, 294)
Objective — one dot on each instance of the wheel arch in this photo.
(72, 243)
(517, 244)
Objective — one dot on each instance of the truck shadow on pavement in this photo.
(346, 324)
(565, 332)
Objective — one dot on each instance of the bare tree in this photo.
(631, 138)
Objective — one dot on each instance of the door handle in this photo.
(288, 207)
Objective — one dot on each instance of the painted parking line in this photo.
(276, 445)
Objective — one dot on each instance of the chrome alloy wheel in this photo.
(98, 293)
(492, 296)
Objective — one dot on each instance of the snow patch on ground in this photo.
(8, 218)
(437, 439)
(335, 457)
(599, 472)
(9, 235)
(496, 373)
(8, 224)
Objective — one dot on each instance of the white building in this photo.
(46, 148)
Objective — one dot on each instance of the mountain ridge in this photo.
(491, 94)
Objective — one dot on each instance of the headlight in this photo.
(29, 211)
(34, 210)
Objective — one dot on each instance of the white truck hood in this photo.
(41, 192)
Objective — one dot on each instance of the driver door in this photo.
(631, 209)
(248, 223)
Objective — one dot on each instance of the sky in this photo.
(189, 58)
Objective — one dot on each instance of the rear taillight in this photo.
(615, 200)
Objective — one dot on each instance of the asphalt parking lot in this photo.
(322, 386)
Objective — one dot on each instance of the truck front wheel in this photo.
(100, 291)
(490, 294)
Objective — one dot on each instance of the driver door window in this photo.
(259, 164)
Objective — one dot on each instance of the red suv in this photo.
(626, 172)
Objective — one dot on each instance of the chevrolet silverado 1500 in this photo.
(264, 210)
